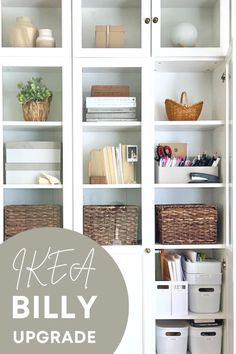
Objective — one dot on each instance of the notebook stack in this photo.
(108, 103)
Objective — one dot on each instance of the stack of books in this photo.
(110, 165)
(104, 109)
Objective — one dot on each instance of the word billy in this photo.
(20, 307)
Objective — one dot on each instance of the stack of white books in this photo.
(103, 109)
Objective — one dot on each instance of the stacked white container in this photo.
(171, 337)
(204, 279)
(27, 160)
(205, 340)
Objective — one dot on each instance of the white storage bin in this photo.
(203, 278)
(20, 173)
(209, 266)
(180, 174)
(162, 298)
(33, 152)
(205, 340)
(171, 337)
(204, 298)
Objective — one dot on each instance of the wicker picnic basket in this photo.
(182, 111)
(186, 223)
(20, 218)
(103, 222)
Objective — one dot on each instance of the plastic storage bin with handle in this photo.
(171, 337)
(205, 340)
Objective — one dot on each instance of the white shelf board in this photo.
(187, 3)
(22, 126)
(32, 3)
(202, 125)
(189, 185)
(124, 249)
(109, 53)
(194, 316)
(195, 246)
(110, 4)
(32, 52)
(112, 186)
(176, 63)
(32, 186)
(111, 126)
(201, 52)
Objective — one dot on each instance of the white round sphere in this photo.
(184, 35)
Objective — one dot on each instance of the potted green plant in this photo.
(35, 98)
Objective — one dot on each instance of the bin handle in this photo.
(173, 334)
(208, 334)
(206, 290)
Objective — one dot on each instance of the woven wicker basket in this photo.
(36, 110)
(102, 222)
(20, 218)
(186, 224)
(182, 111)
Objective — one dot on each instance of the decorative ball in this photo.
(184, 35)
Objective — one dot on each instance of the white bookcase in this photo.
(154, 70)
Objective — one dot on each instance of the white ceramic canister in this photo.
(23, 34)
(45, 39)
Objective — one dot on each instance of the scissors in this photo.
(162, 152)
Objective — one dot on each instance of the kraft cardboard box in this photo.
(109, 36)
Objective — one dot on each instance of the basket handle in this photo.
(184, 98)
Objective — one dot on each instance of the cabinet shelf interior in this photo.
(114, 76)
(43, 13)
(119, 12)
(112, 139)
(202, 83)
(204, 15)
(52, 78)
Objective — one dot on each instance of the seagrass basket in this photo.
(182, 111)
(36, 110)
(186, 224)
(19, 218)
(105, 223)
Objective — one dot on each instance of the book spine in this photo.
(111, 109)
(111, 115)
(114, 102)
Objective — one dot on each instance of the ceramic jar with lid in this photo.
(23, 34)
(45, 39)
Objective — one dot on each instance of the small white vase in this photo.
(23, 34)
(184, 35)
(45, 39)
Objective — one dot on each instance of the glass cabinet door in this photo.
(190, 27)
(104, 28)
